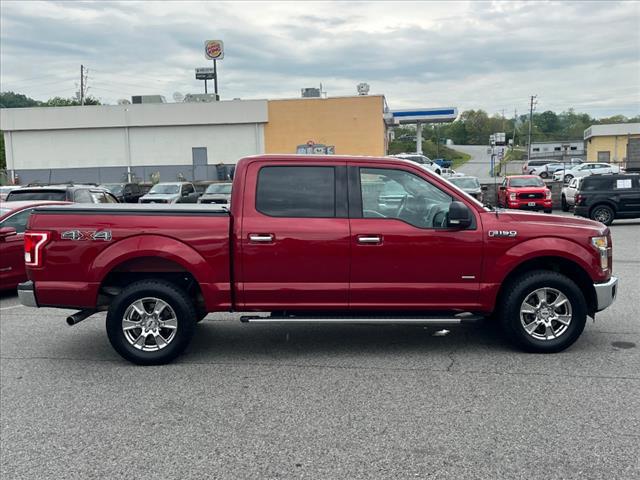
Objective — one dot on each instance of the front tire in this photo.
(544, 175)
(543, 312)
(151, 322)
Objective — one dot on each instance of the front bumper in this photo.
(27, 294)
(606, 293)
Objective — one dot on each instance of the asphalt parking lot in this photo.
(324, 402)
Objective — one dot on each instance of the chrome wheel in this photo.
(545, 314)
(149, 324)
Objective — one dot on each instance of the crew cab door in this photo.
(403, 255)
(294, 245)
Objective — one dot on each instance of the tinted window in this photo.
(296, 191)
(83, 196)
(188, 188)
(597, 183)
(401, 195)
(17, 221)
(37, 195)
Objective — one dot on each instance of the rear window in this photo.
(296, 192)
(37, 195)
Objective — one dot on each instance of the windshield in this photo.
(526, 182)
(224, 188)
(164, 189)
(37, 195)
(113, 187)
(463, 182)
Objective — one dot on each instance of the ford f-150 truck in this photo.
(319, 239)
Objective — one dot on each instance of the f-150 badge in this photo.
(104, 235)
(503, 233)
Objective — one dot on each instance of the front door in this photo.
(402, 253)
(294, 240)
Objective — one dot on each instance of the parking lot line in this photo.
(12, 307)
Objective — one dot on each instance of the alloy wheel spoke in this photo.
(160, 341)
(172, 324)
(560, 300)
(138, 306)
(141, 340)
(528, 308)
(130, 324)
(159, 307)
(549, 332)
(564, 319)
(532, 327)
(542, 295)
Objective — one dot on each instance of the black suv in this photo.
(125, 192)
(608, 197)
(63, 193)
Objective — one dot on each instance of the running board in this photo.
(387, 319)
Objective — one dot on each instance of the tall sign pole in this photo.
(214, 50)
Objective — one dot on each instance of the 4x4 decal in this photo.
(104, 235)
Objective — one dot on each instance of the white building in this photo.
(558, 150)
(111, 142)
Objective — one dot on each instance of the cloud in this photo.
(489, 55)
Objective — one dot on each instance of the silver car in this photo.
(171, 192)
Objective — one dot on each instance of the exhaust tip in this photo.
(70, 321)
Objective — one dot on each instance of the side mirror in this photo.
(484, 188)
(459, 215)
(7, 232)
(503, 188)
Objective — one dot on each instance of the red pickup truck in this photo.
(319, 239)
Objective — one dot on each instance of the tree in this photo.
(69, 102)
(16, 100)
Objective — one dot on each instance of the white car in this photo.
(568, 195)
(420, 159)
(584, 170)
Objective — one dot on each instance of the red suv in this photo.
(527, 192)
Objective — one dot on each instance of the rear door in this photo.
(403, 256)
(628, 192)
(294, 236)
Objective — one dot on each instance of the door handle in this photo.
(261, 237)
(369, 239)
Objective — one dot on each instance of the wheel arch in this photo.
(571, 269)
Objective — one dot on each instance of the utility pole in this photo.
(81, 84)
(533, 97)
(515, 121)
(503, 119)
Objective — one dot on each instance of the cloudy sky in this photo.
(490, 55)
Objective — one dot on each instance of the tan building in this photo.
(608, 143)
(345, 125)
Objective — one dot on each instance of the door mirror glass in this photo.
(459, 215)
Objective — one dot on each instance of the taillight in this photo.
(33, 244)
(579, 198)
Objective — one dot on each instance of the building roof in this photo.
(612, 129)
(136, 115)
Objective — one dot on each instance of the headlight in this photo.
(548, 195)
(512, 196)
(602, 244)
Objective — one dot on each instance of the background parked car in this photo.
(124, 192)
(605, 198)
(547, 171)
(471, 185)
(568, 195)
(444, 163)
(584, 170)
(13, 223)
(63, 193)
(5, 189)
(420, 159)
(219, 193)
(171, 192)
(527, 192)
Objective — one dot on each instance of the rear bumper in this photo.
(27, 294)
(581, 211)
(606, 293)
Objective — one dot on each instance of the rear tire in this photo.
(548, 210)
(151, 322)
(544, 175)
(543, 312)
(603, 214)
(565, 205)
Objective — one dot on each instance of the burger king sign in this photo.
(214, 50)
